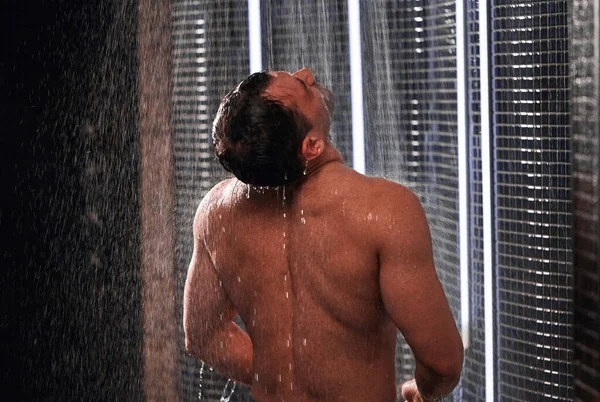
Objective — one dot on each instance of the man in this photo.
(322, 266)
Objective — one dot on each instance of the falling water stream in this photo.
(228, 390)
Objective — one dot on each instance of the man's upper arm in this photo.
(411, 291)
(206, 305)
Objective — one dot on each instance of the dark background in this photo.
(70, 317)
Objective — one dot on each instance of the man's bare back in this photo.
(322, 271)
(304, 274)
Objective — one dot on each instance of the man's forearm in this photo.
(433, 386)
(229, 351)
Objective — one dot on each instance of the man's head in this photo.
(271, 125)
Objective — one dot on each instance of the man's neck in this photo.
(330, 154)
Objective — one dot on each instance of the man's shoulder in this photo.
(219, 191)
(371, 184)
(395, 188)
(377, 197)
(213, 200)
(398, 204)
(384, 192)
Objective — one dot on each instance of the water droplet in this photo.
(284, 215)
(284, 245)
(223, 228)
(288, 343)
(239, 279)
(301, 212)
(220, 216)
(228, 393)
(283, 201)
(256, 376)
(287, 295)
(370, 217)
(248, 193)
(201, 374)
(285, 277)
(220, 284)
(291, 386)
(283, 234)
(290, 366)
(304, 341)
(221, 316)
(303, 221)
(279, 378)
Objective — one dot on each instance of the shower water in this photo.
(228, 391)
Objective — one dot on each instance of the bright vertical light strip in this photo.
(254, 36)
(358, 126)
(463, 178)
(486, 170)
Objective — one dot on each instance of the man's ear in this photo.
(312, 147)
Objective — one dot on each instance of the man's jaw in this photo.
(327, 97)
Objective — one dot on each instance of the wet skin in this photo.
(322, 280)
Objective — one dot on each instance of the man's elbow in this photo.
(194, 346)
(451, 367)
(444, 369)
(190, 346)
(195, 336)
(454, 372)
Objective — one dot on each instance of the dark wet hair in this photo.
(256, 138)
